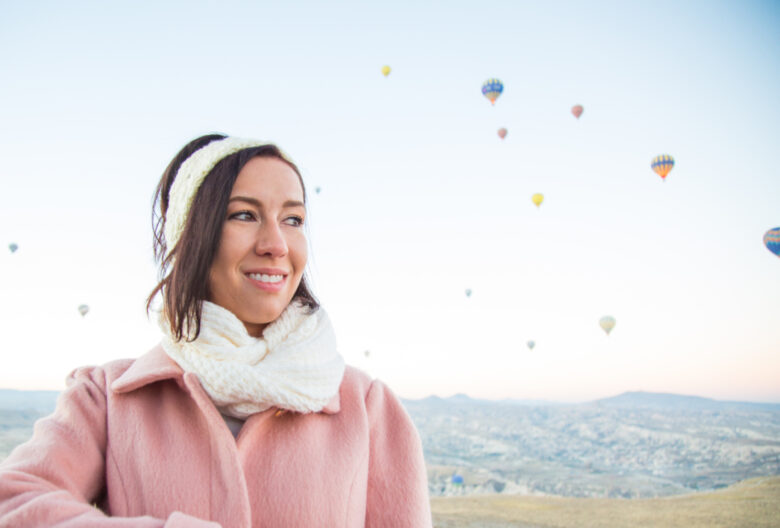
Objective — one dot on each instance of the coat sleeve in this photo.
(53, 479)
(397, 479)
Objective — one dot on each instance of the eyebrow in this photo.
(256, 203)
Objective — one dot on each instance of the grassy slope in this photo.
(754, 503)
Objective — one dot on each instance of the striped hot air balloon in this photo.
(772, 240)
(662, 165)
(491, 89)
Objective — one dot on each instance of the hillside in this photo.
(752, 503)
(637, 445)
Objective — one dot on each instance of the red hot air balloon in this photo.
(502, 133)
(577, 110)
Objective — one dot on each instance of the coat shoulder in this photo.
(101, 375)
(355, 383)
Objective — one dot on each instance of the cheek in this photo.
(299, 253)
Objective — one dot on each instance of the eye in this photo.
(294, 220)
(246, 216)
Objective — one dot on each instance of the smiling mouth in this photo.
(263, 277)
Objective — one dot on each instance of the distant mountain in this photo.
(671, 402)
(41, 402)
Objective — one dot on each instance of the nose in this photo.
(270, 241)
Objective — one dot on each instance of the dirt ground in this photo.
(752, 503)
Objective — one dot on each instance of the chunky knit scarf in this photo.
(294, 366)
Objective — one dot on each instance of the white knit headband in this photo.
(190, 176)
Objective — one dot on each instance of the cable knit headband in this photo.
(190, 176)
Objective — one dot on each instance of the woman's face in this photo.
(262, 251)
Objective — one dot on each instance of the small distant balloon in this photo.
(317, 189)
(577, 110)
(531, 345)
(502, 133)
(537, 199)
(83, 310)
(367, 353)
(662, 165)
(386, 70)
(468, 292)
(607, 323)
(13, 247)
(457, 480)
(772, 240)
(491, 89)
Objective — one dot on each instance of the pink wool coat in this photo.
(143, 441)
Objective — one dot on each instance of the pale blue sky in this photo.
(420, 198)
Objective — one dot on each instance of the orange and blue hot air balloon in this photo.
(662, 165)
(491, 89)
(772, 240)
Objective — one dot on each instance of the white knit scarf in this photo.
(294, 366)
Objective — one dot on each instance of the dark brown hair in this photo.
(184, 268)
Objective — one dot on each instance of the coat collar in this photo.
(156, 365)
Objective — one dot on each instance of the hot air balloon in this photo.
(577, 110)
(83, 310)
(607, 323)
(772, 240)
(662, 165)
(468, 292)
(457, 480)
(385, 70)
(537, 199)
(367, 353)
(13, 247)
(502, 133)
(317, 189)
(531, 345)
(491, 89)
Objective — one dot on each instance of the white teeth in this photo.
(262, 277)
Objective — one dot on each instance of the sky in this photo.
(420, 199)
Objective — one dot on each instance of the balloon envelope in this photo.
(13, 247)
(457, 479)
(531, 344)
(317, 189)
(385, 70)
(537, 199)
(83, 309)
(491, 89)
(367, 353)
(772, 240)
(468, 292)
(577, 110)
(502, 133)
(662, 164)
(607, 323)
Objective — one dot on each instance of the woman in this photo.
(245, 415)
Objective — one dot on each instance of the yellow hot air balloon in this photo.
(662, 165)
(385, 70)
(607, 323)
(537, 199)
